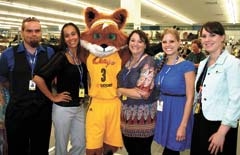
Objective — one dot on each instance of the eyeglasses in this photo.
(29, 19)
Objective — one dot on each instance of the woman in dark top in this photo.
(71, 87)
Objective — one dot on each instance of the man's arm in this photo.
(2, 96)
(4, 72)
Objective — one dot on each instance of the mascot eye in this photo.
(96, 36)
(112, 36)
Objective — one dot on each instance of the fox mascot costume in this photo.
(104, 50)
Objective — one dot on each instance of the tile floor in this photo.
(156, 149)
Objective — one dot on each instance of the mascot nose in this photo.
(104, 45)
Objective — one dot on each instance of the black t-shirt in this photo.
(68, 77)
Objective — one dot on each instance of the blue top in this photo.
(221, 89)
(7, 59)
(171, 82)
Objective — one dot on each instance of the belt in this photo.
(177, 95)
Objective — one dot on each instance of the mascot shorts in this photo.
(103, 123)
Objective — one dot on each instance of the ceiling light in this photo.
(83, 5)
(10, 23)
(44, 20)
(39, 9)
(168, 11)
(105, 10)
(54, 12)
(20, 17)
(8, 26)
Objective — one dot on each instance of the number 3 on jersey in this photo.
(103, 71)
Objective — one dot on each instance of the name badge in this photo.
(197, 109)
(81, 92)
(124, 97)
(32, 85)
(159, 105)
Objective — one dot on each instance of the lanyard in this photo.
(79, 66)
(200, 83)
(129, 68)
(160, 80)
(32, 60)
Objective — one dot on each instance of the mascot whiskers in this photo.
(104, 51)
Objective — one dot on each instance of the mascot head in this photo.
(103, 35)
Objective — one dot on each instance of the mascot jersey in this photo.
(103, 72)
(103, 52)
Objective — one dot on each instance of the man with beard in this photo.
(28, 114)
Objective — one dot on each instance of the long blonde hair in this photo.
(175, 33)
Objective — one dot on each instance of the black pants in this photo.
(202, 131)
(28, 129)
(138, 146)
(168, 151)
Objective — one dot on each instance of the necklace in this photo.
(160, 79)
(79, 67)
(131, 60)
(173, 61)
(129, 67)
(74, 58)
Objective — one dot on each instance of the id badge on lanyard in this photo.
(32, 62)
(124, 97)
(159, 105)
(32, 85)
(81, 92)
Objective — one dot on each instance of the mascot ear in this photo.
(92, 15)
(120, 17)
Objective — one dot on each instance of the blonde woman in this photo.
(175, 81)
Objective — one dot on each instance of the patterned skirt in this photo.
(138, 120)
